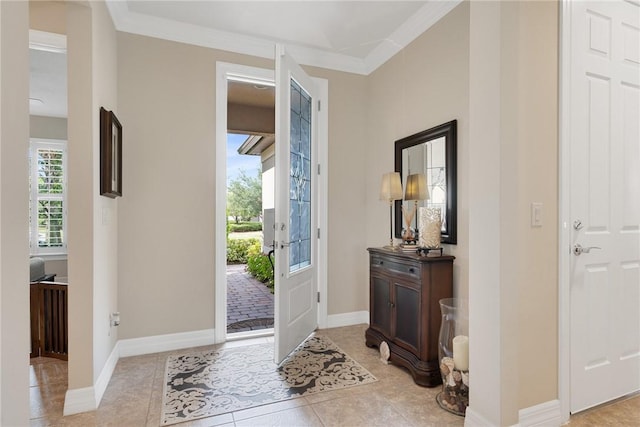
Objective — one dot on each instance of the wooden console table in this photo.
(404, 309)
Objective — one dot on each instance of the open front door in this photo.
(296, 207)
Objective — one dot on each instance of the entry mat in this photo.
(213, 382)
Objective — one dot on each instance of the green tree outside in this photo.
(244, 197)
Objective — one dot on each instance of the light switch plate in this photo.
(536, 214)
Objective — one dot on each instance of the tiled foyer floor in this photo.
(134, 397)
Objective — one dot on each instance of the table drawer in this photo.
(380, 263)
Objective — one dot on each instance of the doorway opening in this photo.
(48, 367)
(250, 165)
(260, 77)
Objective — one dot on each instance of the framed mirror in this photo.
(433, 153)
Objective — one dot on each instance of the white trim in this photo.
(79, 400)
(322, 87)
(546, 414)
(474, 419)
(36, 144)
(160, 343)
(347, 319)
(411, 29)
(107, 371)
(564, 193)
(137, 23)
(224, 71)
(48, 42)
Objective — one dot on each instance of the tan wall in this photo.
(513, 269)
(538, 156)
(47, 127)
(424, 85)
(80, 176)
(105, 212)
(166, 247)
(14, 214)
(49, 16)
(166, 93)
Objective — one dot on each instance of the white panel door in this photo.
(296, 307)
(605, 201)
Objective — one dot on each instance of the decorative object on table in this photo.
(429, 226)
(390, 191)
(216, 381)
(410, 248)
(453, 351)
(110, 154)
(416, 190)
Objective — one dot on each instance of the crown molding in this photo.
(145, 25)
(48, 42)
(413, 27)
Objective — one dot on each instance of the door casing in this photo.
(565, 228)
(225, 70)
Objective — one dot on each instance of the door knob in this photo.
(579, 249)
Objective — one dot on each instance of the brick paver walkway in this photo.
(249, 302)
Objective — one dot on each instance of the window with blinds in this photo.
(47, 213)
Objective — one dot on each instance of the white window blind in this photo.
(48, 208)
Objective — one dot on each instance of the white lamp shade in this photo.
(391, 188)
(416, 187)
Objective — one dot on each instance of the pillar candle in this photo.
(461, 352)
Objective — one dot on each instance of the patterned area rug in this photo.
(214, 382)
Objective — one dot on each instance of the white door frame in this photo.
(564, 205)
(225, 70)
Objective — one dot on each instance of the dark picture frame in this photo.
(110, 154)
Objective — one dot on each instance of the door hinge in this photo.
(318, 296)
(319, 105)
(318, 233)
(318, 168)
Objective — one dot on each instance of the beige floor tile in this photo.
(624, 412)
(359, 410)
(134, 396)
(268, 409)
(295, 417)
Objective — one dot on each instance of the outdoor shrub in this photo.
(237, 250)
(259, 266)
(243, 227)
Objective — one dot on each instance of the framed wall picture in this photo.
(110, 154)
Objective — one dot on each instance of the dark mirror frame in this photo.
(449, 132)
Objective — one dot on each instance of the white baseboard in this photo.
(105, 375)
(79, 400)
(347, 319)
(474, 419)
(88, 398)
(544, 414)
(160, 343)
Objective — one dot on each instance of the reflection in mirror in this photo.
(432, 153)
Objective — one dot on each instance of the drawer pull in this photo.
(381, 262)
(412, 270)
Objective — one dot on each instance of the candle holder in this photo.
(453, 352)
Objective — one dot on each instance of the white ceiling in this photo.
(351, 36)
